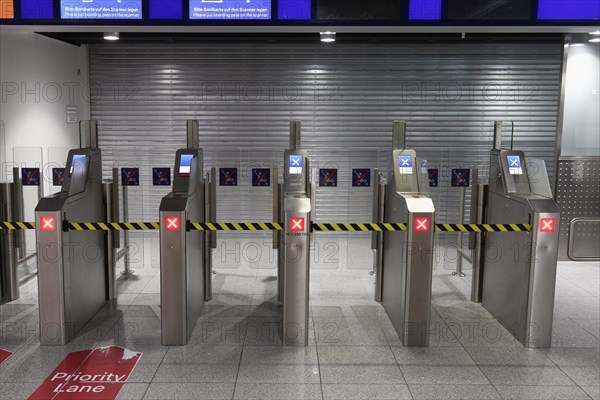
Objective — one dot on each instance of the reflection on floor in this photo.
(354, 353)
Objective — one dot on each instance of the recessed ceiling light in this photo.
(576, 45)
(594, 40)
(595, 33)
(327, 37)
(111, 35)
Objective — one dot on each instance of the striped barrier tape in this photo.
(17, 225)
(233, 226)
(271, 226)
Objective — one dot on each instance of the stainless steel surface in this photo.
(127, 271)
(209, 203)
(295, 135)
(478, 216)
(377, 237)
(213, 205)
(314, 183)
(109, 245)
(192, 134)
(182, 254)
(276, 206)
(519, 273)
(578, 195)
(88, 134)
(9, 278)
(71, 265)
(399, 135)
(297, 273)
(497, 143)
(583, 239)
(281, 249)
(459, 236)
(19, 213)
(346, 121)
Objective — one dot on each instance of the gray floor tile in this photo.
(275, 355)
(264, 332)
(327, 312)
(17, 390)
(428, 375)
(365, 392)
(527, 376)
(196, 373)
(189, 391)
(481, 332)
(432, 356)
(592, 391)
(573, 357)
(460, 310)
(453, 392)
(220, 331)
(507, 356)
(286, 391)
(133, 391)
(584, 376)
(349, 331)
(361, 373)
(567, 333)
(541, 392)
(253, 373)
(590, 325)
(225, 310)
(577, 307)
(354, 355)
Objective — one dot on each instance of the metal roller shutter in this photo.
(346, 95)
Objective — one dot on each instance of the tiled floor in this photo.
(354, 353)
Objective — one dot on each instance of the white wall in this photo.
(40, 77)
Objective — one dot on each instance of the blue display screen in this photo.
(568, 9)
(295, 164)
(230, 9)
(405, 164)
(37, 9)
(514, 165)
(166, 9)
(425, 9)
(76, 162)
(101, 9)
(293, 9)
(185, 164)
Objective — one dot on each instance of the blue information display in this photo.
(328, 177)
(406, 164)
(433, 177)
(294, 9)
(460, 177)
(425, 10)
(514, 165)
(130, 177)
(568, 9)
(101, 9)
(166, 9)
(37, 9)
(228, 177)
(78, 159)
(161, 176)
(361, 177)
(230, 9)
(30, 176)
(58, 176)
(261, 177)
(295, 165)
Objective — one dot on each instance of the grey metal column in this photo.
(377, 237)
(210, 237)
(8, 252)
(111, 206)
(297, 271)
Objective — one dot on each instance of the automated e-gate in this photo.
(404, 259)
(185, 254)
(71, 265)
(294, 265)
(519, 268)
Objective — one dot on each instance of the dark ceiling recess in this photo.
(78, 38)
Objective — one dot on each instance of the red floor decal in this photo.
(89, 374)
(4, 354)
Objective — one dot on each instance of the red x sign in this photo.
(297, 224)
(47, 223)
(547, 225)
(172, 223)
(422, 224)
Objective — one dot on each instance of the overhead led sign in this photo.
(230, 9)
(101, 9)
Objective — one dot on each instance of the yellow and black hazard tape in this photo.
(482, 227)
(17, 225)
(358, 227)
(233, 226)
(111, 226)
